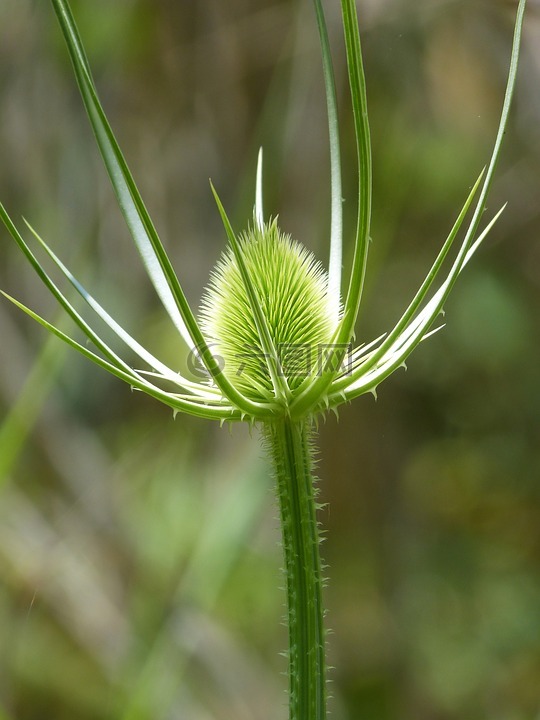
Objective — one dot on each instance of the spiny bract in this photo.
(292, 290)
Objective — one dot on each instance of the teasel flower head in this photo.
(275, 331)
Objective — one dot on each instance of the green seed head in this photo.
(292, 289)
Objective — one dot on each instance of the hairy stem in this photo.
(291, 449)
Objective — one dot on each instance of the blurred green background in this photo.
(139, 556)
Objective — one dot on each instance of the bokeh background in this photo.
(139, 555)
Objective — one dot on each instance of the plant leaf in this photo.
(144, 234)
(406, 343)
(420, 296)
(153, 253)
(189, 405)
(162, 369)
(371, 375)
(336, 218)
(357, 84)
(51, 286)
(315, 387)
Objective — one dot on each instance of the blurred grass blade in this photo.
(20, 419)
(230, 518)
(336, 218)
(4, 715)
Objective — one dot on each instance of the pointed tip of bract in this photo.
(258, 210)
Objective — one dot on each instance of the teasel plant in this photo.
(274, 337)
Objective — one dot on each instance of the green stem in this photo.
(292, 452)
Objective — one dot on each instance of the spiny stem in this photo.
(290, 445)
